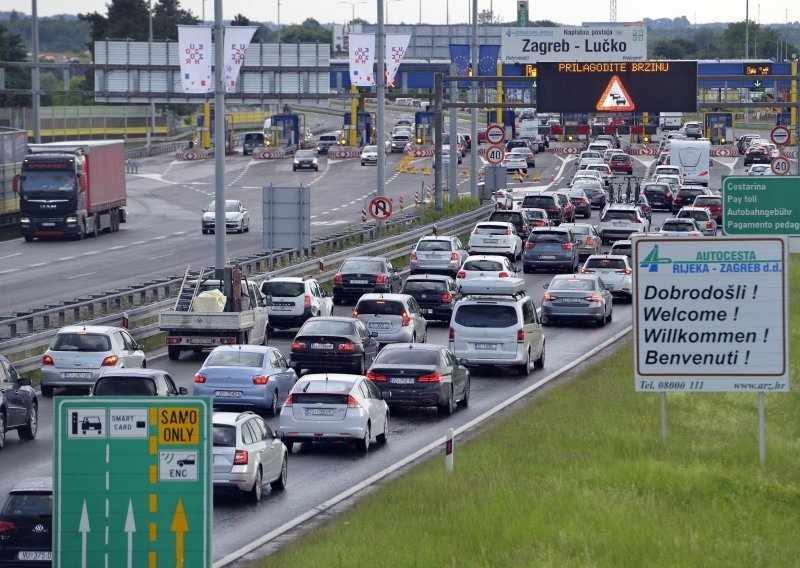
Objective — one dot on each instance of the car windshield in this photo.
(424, 286)
(370, 149)
(326, 327)
(548, 237)
(304, 154)
(486, 315)
(408, 356)
(362, 265)
(283, 289)
(124, 386)
(610, 263)
(678, 227)
(431, 245)
(48, 181)
(230, 206)
(483, 265)
(81, 341)
(234, 358)
(224, 436)
(28, 505)
(571, 284)
(491, 230)
(253, 137)
(380, 307)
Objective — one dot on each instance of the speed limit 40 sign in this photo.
(495, 155)
(781, 166)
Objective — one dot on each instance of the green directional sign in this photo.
(132, 482)
(522, 13)
(761, 205)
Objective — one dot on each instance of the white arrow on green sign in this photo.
(761, 205)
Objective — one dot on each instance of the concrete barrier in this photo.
(275, 154)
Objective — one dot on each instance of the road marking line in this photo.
(153, 503)
(10, 270)
(80, 276)
(37, 264)
(117, 247)
(138, 242)
(161, 256)
(161, 238)
(10, 255)
(152, 532)
(69, 257)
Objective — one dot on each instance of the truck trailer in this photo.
(72, 189)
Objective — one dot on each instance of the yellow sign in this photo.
(530, 71)
(178, 425)
(643, 67)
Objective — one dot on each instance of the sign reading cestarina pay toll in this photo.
(763, 205)
(711, 314)
(132, 483)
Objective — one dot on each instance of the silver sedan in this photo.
(237, 217)
(392, 318)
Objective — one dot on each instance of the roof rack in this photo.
(490, 286)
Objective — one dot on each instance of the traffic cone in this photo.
(536, 176)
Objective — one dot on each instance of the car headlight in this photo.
(24, 220)
(315, 160)
(72, 219)
(296, 161)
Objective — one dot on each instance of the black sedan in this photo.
(135, 382)
(436, 295)
(333, 344)
(26, 518)
(413, 374)
(19, 405)
(360, 275)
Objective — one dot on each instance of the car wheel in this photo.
(361, 368)
(2, 430)
(383, 438)
(539, 363)
(47, 391)
(363, 444)
(144, 363)
(526, 270)
(450, 407)
(610, 316)
(273, 405)
(174, 352)
(524, 369)
(240, 230)
(258, 489)
(28, 432)
(465, 400)
(247, 227)
(295, 169)
(546, 321)
(280, 483)
(82, 232)
(601, 322)
(289, 445)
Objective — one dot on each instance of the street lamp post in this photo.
(747, 29)
(151, 132)
(353, 6)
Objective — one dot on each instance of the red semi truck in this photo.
(72, 189)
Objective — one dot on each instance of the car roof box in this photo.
(489, 286)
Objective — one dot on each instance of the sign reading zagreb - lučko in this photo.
(631, 86)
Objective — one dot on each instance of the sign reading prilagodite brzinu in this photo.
(711, 314)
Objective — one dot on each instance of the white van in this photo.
(694, 159)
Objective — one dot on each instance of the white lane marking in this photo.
(314, 216)
(162, 237)
(69, 257)
(138, 242)
(251, 187)
(10, 255)
(161, 256)
(118, 247)
(37, 264)
(436, 445)
(79, 275)
(91, 252)
(179, 233)
(10, 270)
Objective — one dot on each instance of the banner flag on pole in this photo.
(459, 54)
(396, 46)
(362, 55)
(237, 40)
(194, 43)
(487, 62)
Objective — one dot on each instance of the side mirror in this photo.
(462, 362)
(545, 286)
(140, 347)
(24, 382)
(277, 434)
(268, 300)
(182, 391)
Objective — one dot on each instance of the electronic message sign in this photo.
(646, 86)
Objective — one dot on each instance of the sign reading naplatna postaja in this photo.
(601, 42)
(711, 314)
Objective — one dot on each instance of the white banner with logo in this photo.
(194, 43)
(237, 40)
(362, 56)
(396, 46)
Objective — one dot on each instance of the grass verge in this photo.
(579, 477)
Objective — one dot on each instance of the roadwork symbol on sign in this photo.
(615, 98)
(780, 135)
(781, 166)
(495, 155)
(380, 208)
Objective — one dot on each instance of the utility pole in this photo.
(37, 132)
(473, 98)
(747, 29)
(380, 76)
(219, 142)
(151, 132)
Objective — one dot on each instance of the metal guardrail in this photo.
(33, 330)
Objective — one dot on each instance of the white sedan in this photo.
(495, 237)
(236, 217)
(485, 265)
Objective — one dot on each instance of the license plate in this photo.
(48, 224)
(201, 340)
(228, 394)
(281, 308)
(571, 300)
(319, 411)
(620, 223)
(547, 257)
(35, 555)
(402, 380)
(426, 311)
(379, 325)
(359, 282)
(322, 346)
(490, 241)
(73, 375)
(486, 346)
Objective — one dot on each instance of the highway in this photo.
(163, 235)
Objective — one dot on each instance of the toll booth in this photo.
(423, 127)
(783, 119)
(719, 127)
(509, 121)
(366, 126)
(205, 137)
(284, 130)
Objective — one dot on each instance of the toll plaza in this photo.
(284, 131)
(423, 125)
(718, 127)
(365, 127)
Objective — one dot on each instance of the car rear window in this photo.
(659, 189)
(691, 193)
(380, 307)
(424, 286)
(538, 201)
(81, 341)
(316, 327)
(571, 284)
(124, 386)
(621, 249)
(506, 217)
(327, 138)
(28, 504)
(326, 387)
(486, 315)
(362, 265)
(427, 246)
(483, 265)
(679, 227)
(619, 158)
(408, 357)
(491, 230)
(614, 263)
(581, 229)
(612, 214)
(696, 215)
(319, 398)
(235, 358)
(548, 237)
(224, 436)
(708, 201)
(283, 289)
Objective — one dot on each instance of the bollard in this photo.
(448, 450)
(321, 265)
(416, 198)
(401, 203)
(125, 320)
(363, 215)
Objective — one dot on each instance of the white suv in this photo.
(496, 323)
(620, 221)
(294, 300)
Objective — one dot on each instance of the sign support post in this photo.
(452, 166)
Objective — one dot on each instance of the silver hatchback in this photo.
(438, 254)
(392, 318)
(79, 353)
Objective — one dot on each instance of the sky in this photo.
(435, 11)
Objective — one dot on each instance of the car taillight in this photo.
(109, 361)
(381, 279)
(349, 346)
(406, 320)
(587, 271)
(199, 378)
(503, 275)
(668, 194)
(307, 301)
(461, 274)
(508, 231)
(240, 458)
(376, 377)
(589, 241)
(552, 208)
(414, 255)
(355, 313)
(530, 245)
(352, 402)
(524, 228)
(453, 256)
(549, 298)
(288, 401)
(624, 271)
(337, 279)
(708, 225)
(432, 378)
(47, 360)
(566, 246)
(447, 298)
(228, 340)
(173, 340)
(604, 220)
(6, 526)
(261, 379)
(521, 335)
(452, 335)
(593, 298)
(299, 345)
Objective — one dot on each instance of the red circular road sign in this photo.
(495, 133)
(780, 135)
(495, 155)
(781, 166)
(380, 208)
